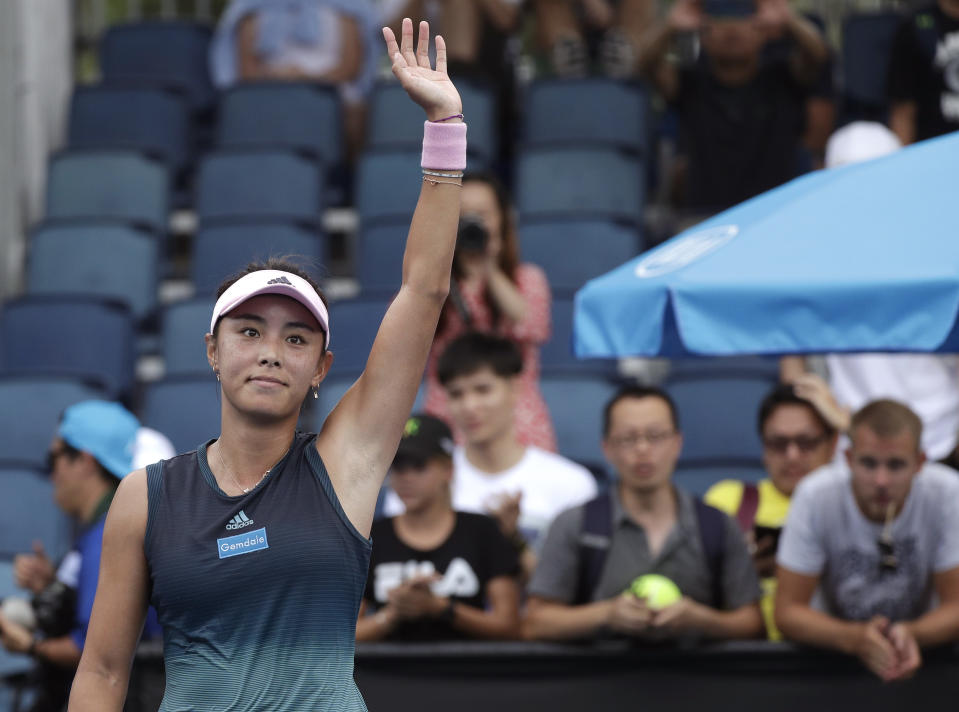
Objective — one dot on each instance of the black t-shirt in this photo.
(474, 553)
(739, 140)
(924, 68)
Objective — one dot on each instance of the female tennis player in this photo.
(254, 548)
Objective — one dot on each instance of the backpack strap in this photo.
(594, 540)
(712, 532)
(748, 506)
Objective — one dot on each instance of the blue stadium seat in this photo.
(397, 123)
(557, 353)
(576, 401)
(698, 478)
(354, 323)
(78, 336)
(866, 48)
(183, 326)
(28, 513)
(106, 260)
(11, 663)
(167, 54)
(109, 185)
(561, 183)
(581, 112)
(30, 409)
(277, 185)
(574, 251)
(186, 409)
(379, 255)
(152, 120)
(222, 249)
(332, 390)
(748, 366)
(387, 185)
(282, 115)
(717, 414)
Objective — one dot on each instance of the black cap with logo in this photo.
(424, 437)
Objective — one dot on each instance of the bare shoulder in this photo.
(128, 512)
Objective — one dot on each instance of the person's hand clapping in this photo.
(773, 16)
(506, 509)
(34, 572)
(686, 16)
(414, 599)
(428, 87)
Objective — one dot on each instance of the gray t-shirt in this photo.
(827, 535)
(681, 559)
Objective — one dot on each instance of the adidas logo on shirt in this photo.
(239, 521)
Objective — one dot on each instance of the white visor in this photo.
(271, 281)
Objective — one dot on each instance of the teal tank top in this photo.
(257, 594)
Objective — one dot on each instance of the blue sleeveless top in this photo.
(257, 594)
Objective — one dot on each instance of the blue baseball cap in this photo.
(106, 430)
(729, 8)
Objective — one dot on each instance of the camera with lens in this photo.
(471, 236)
(55, 608)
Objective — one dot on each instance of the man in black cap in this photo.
(436, 573)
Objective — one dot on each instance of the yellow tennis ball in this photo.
(658, 591)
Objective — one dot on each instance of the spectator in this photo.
(645, 525)
(332, 41)
(91, 451)
(924, 73)
(436, 573)
(493, 292)
(522, 486)
(607, 31)
(880, 540)
(928, 383)
(741, 115)
(797, 439)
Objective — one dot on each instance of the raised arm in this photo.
(120, 605)
(684, 16)
(360, 437)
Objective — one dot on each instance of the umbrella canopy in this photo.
(859, 258)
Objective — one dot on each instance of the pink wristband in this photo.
(444, 146)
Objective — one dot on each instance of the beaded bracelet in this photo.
(428, 172)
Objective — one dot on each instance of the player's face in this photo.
(794, 444)
(481, 405)
(642, 445)
(882, 470)
(421, 487)
(269, 352)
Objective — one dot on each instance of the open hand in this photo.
(428, 87)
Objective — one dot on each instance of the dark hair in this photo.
(72, 453)
(508, 259)
(887, 418)
(784, 394)
(474, 351)
(284, 263)
(639, 392)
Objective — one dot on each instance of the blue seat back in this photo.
(557, 353)
(282, 115)
(280, 185)
(397, 123)
(112, 261)
(560, 183)
(576, 401)
(717, 414)
(387, 185)
(78, 336)
(354, 323)
(699, 478)
(332, 390)
(379, 255)
(186, 409)
(152, 120)
(28, 513)
(220, 250)
(30, 409)
(579, 112)
(183, 327)
(168, 54)
(109, 185)
(571, 252)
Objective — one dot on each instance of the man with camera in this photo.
(91, 452)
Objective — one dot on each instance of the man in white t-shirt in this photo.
(523, 487)
(879, 539)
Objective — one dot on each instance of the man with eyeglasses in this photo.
(593, 553)
(798, 436)
(868, 563)
(92, 450)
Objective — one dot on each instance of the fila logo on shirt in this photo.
(459, 579)
(239, 521)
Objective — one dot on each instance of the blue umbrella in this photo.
(859, 258)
